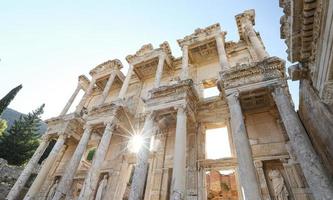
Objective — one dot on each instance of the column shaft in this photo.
(125, 85)
(159, 71)
(91, 180)
(67, 178)
(24, 176)
(247, 173)
(318, 178)
(179, 158)
(86, 95)
(107, 87)
(185, 68)
(224, 64)
(70, 101)
(141, 168)
(42, 174)
(257, 45)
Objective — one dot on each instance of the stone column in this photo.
(91, 180)
(247, 173)
(262, 180)
(42, 174)
(86, 95)
(179, 158)
(185, 68)
(159, 71)
(256, 43)
(318, 178)
(70, 101)
(125, 85)
(141, 168)
(67, 178)
(32, 164)
(224, 64)
(108, 87)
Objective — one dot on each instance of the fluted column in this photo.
(141, 168)
(32, 164)
(318, 178)
(159, 71)
(125, 85)
(107, 87)
(91, 180)
(70, 101)
(178, 191)
(86, 95)
(256, 43)
(185, 68)
(42, 174)
(247, 173)
(67, 178)
(224, 64)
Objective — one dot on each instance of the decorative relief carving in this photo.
(108, 65)
(200, 33)
(145, 49)
(327, 95)
(268, 69)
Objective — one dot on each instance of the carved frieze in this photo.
(200, 35)
(182, 91)
(106, 67)
(239, 75)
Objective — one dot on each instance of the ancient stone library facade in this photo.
(169, 105)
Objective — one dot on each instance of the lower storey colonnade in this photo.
(252, 178)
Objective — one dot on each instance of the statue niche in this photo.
(278, 184)
(101, 187)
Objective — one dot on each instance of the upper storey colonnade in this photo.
(158, 63)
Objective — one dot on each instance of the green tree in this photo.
(4, 102)
(19, 143)
(3, 126)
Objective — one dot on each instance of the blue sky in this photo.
(46, 45)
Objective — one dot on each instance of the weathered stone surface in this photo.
(164, 99)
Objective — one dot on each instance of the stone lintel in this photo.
(147, 52)
(106, 68)
(256, 73)
(200, 35)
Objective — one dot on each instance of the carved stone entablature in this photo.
(249, 14)
(145, 60)
(300, 27)
(181, 93)
(84, 82)
(240, 75)
(106, 67)
(102, 112)
(200, 35)
(147, 52)
(68, 124)
(327, 95)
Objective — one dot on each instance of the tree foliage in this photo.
(3, 126)
(5, 101)
(19, 143)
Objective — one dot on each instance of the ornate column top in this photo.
(248, 17)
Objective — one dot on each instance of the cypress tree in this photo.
(19, 143)
(4, 102)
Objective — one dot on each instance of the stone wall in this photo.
(8, 176)
(317, 119)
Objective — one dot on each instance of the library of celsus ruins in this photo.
(144, 135)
